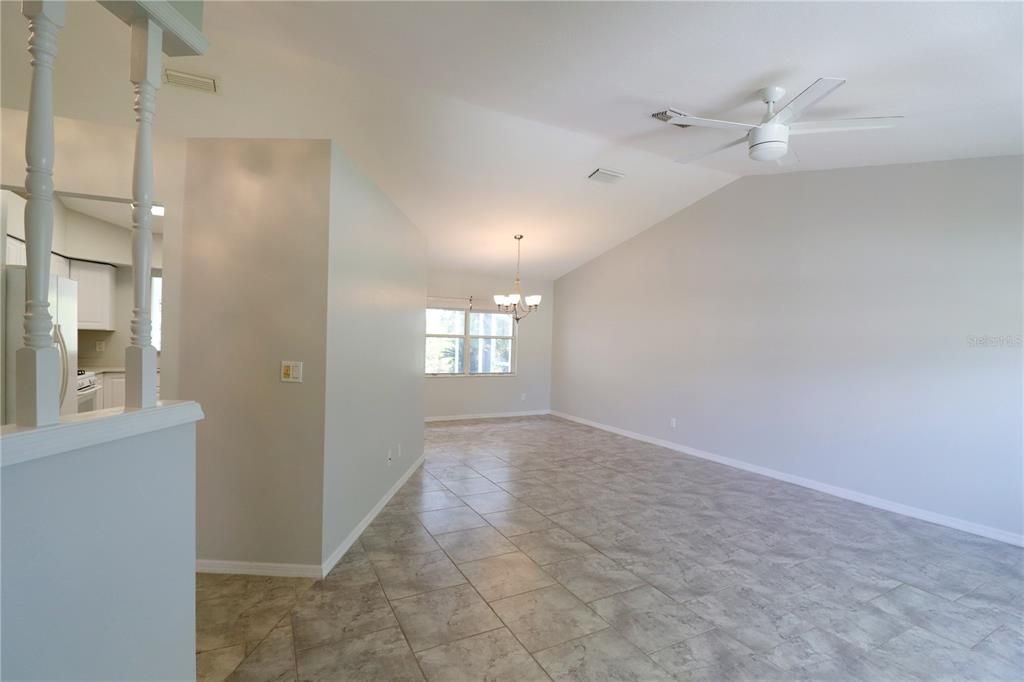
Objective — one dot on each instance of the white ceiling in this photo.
(109, 211)
(483, 119)
(96, 159)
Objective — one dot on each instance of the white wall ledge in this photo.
(19, 444)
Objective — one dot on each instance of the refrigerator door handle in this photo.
(62, 349)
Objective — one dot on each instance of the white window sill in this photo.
(469, 376)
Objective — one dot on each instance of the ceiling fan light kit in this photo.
(769, 140)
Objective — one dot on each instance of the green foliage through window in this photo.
(468, 342)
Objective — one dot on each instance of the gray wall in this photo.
(819, 324)
(253, 293)
(374, 398)
(461, 396)
(99, 560)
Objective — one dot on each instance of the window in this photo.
(467, 342)
(156, 309)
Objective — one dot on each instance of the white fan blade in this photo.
(685, 120)
(818, 90)
(844, 124)
(691, 159)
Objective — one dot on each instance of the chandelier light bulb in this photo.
(513, 303)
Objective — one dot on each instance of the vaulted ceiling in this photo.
(482, 119)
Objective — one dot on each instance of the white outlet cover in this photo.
(101, 346)
(291, 371)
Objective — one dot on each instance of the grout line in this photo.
(394, 615)
(277, 623)
(502, 621)
(463, 639)
(481, 597)
(606, 486)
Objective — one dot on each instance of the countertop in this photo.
(102, 369)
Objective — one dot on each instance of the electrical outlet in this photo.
(522, 396)
(291, 371)
(101, 346)
(672, 422)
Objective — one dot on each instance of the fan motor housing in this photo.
(769, 142)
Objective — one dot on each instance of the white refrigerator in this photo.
(64, 311)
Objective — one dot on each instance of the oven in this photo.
(88, 392)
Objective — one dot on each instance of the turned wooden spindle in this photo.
(38, 366)
(140, 356)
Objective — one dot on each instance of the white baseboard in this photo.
(491, 415)
(845, 493)
(258, 568)
(305, 570)
(351, 538)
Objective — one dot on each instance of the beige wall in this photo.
(76, 235)
(464, 396)
(819, 325)
(290, 253)
(254, 293)
(374, 399)
(98, 159)
(89, 238)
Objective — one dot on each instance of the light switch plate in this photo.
(291, 371)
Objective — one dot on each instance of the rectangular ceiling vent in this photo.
(605, 175)
(190, 80)
(667, 115)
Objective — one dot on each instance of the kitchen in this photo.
(90, 267)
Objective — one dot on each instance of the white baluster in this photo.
(37, 364)
(140, 356)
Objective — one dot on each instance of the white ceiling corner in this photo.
(482, 120)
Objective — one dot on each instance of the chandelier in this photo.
(520, 306)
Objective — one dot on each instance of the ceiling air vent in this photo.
(667, 115)
(190, 80)
(605, 175)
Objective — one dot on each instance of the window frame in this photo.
(156, 312)
(467, 337)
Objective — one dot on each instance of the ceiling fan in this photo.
(769, 139)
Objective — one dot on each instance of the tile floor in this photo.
(529, 549)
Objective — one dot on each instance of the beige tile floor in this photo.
(529, 549)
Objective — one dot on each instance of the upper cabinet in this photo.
(16, 255)
(15, 252)
(60, 266)
(95, 294)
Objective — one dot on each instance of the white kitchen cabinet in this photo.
(60, 266)
(15, 252)
(113, 389)
(101, 400)
(95, 294)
